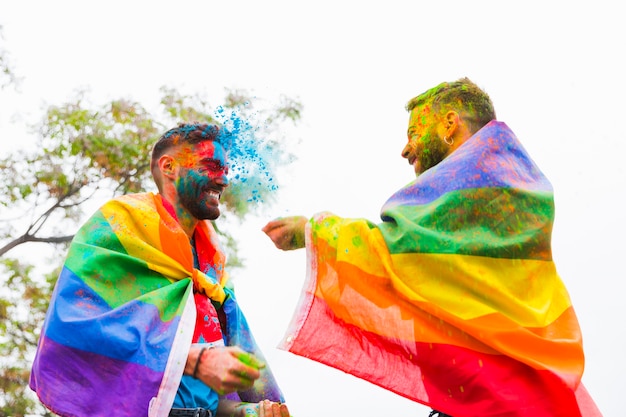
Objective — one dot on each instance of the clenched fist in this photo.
(287, 233)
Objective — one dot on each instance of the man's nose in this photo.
(221, 179)
(406, 151)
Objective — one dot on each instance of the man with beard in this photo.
(453, 300)
(142, 321)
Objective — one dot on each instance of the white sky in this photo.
(554, 69)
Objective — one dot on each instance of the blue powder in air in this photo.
(250, 156)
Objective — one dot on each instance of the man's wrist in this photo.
(194, 358)
(195, 368)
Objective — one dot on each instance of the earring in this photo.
(445, 139)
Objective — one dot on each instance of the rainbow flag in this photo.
(453, 300)
(122, 315)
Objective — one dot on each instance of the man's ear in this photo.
(167, 166)
(451, 123)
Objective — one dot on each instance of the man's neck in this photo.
(186, 221)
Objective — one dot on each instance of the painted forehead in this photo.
(189, 155)
(421, 116)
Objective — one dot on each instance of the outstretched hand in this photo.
(287, 233)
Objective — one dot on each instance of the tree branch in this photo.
(55, 240)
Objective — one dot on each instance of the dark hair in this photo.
(463, 96)
(190, 133)
(184, 133)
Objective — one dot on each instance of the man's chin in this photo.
(207, 214)
(213, 215)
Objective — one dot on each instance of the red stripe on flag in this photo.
(451, 379)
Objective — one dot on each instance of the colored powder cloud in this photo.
(252, 157)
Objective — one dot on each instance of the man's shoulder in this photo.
(132, 203)
(134, 200)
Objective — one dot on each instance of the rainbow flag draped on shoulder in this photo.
(122, 315)
(453, 300)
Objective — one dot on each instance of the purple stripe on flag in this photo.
(100, 386)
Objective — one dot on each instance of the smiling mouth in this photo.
(213, 194)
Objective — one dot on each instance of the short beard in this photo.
(200, 212)
(194, 207)
(436, 153)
